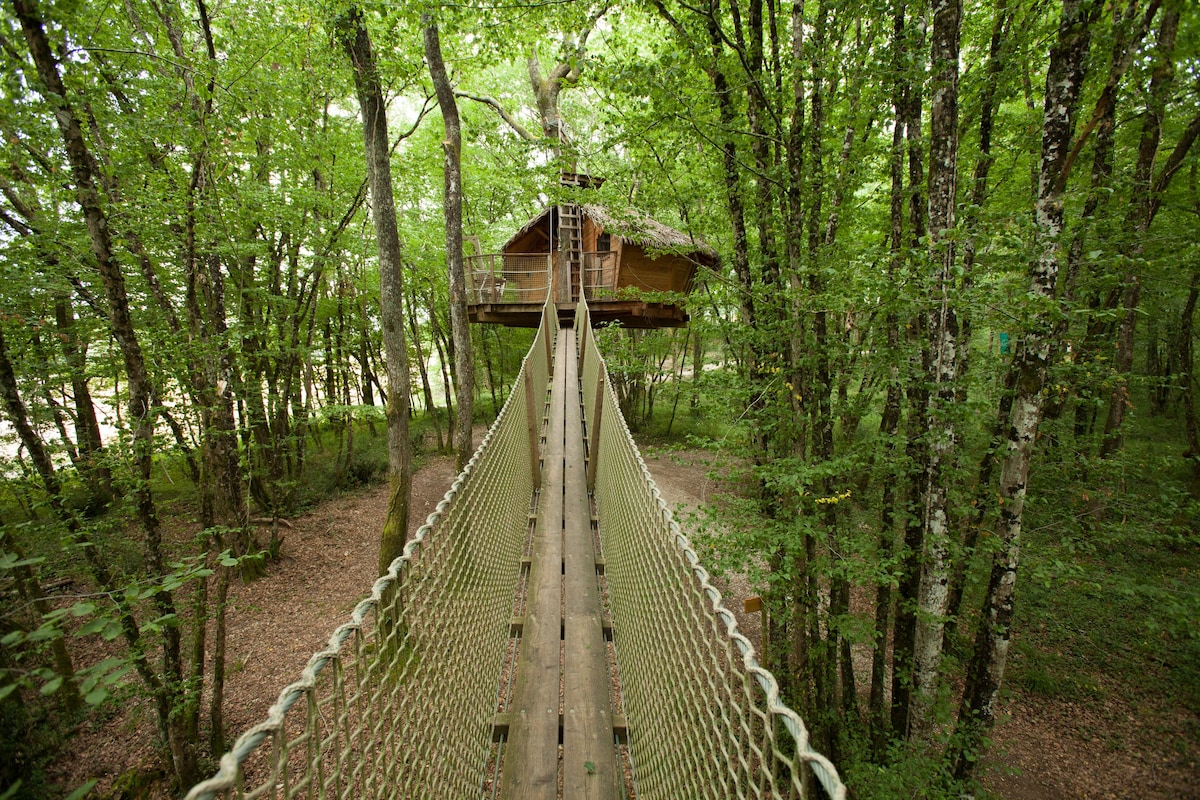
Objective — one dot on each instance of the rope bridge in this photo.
(547, 633)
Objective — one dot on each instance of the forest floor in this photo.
(1043, 750)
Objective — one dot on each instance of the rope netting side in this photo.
(704, 718)
(400, 702)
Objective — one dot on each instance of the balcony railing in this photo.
(599, 275)
(508, 278)
(512, 278)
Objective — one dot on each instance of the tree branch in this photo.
(1174, 162)
(504, 115)
(1109, 94)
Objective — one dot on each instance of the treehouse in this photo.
(630, 268)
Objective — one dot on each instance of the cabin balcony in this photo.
(511, 288)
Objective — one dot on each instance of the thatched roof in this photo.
(632, 227)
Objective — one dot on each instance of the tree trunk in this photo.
(353, 34)
(141, 411)
(918, 400)
(442, 344)
(427, 390)
(889, 422)
(1187, 365)
(944, 342)
(1064, 80)
(464, 360)
(1141, 215)
(28, 581)
(96, 473)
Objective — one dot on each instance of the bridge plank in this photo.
(531, 761)
(589, 760)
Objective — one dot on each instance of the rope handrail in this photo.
(383, 638)
(405, 698)
(631, 548)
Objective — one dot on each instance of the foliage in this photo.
(800, 141)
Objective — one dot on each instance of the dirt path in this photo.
(327, 564)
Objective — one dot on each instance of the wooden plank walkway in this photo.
(562, 640)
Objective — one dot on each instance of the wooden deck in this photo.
(630, 313)
(562, 689)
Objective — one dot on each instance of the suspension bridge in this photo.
(548, 633)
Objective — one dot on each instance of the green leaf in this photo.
(228, 561)
(95, 626)
(96, 696)
(80, 792)
(52, 686)
(12, 638)
(118, 673)
(44, 633)
(590, 767)
(82, 609)
(11, 791)
(5, 691)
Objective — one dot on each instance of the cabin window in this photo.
(604, 243)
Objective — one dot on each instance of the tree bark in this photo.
(1064, 81)
(944, 342)
(19, 417)
(1141, 214)
(141, 392)
(917, 396)
(464, 358)
(1187, 365)
(352, 31)
(96, 473)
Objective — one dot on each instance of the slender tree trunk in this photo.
(95, 471)
(427, 390)
(141, 411)
(917, 395)
(944, 342)
(1064, 81)
(27, 578)
(1187, 365)
(353, 34)
(1141, 215)
(442, 345)
(464, 359)
(889, 423)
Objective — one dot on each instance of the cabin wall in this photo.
(665, 273)
(534, 241)
(591, 232)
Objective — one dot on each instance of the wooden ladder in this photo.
(570, 244)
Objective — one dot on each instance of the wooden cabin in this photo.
(624, 263)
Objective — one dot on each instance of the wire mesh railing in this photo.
(705, 720)
(401, 701)
(599, 275)
(508, 277)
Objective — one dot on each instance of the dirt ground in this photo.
(1043, 751)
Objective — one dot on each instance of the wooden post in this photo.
(582, 333)
(594, 432)
(547, 310)
(533, 415)
(752, 604)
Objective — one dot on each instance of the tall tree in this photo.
(1143, 207)
(452, 194)
(352, 32)
(1064, 84)
(943, 372)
